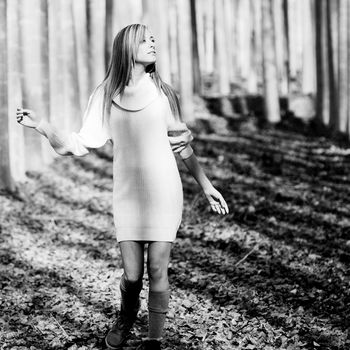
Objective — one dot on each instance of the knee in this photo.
(157, 271)
(133, 277)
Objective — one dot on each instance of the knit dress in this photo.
(147, 188)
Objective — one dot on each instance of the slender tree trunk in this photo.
(174, 55)
(81, 50)
(47, 152)
(332, 71)
(195, 52)
(6, 179)
(34, 84)
(322, 63)
(348, 73)
(71, 88)
(229, 33)
(185, 59)
(109, 36)
(200, 40)
(253, 81)
(16, 132)
(333, 18)
(308, 72)
(221, 62)
(96, 39)
(279, 37)
(209, 35)
(343, 93)
(286, 43)
(272, 107)
(244, 41)
(56, 64)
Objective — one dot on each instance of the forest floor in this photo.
(272, 274)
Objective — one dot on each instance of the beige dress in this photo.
(147, 191)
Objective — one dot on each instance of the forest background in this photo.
(264, 87)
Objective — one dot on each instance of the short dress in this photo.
(147, 188)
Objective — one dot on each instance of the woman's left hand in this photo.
(216, 200)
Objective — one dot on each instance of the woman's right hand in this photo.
(27, 118)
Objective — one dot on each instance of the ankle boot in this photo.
(120, 330)
(130, 305)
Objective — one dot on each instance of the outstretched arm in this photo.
(63, 143)
(93, 134)
(214, 197)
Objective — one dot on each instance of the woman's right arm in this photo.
(93, 133)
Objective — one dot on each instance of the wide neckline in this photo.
(139, 96)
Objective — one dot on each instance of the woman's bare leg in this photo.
(157, 265)
(132, 253)
(158, 296)
(130, 286)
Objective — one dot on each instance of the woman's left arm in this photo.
(216, 200)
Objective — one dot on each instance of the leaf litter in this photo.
(273, 274)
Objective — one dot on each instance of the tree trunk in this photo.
(209, 36)
(322, 65)
(16, 132)
(221, 62)
(34, 83)
(200, 41)
(277, 11)
(343, 93)
(195, 53)
(272, 108)
(6, 179)
(286, 43)
(308, 71)
(229, 20)
(81, 50)
(174, 55)
(244, 41)
(185, 59)
(255, 72)
(332, 71)
(348, 73)
(96, 39)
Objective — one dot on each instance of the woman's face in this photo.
(146, 53)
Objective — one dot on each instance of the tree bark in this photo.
(195, 53)
(343, 93)
(286, 43)
(34, 83)
(16, 132)
(6, 179)
(221, 62)
(209, 36)
(173, 49)
(322, 63)
(96, 40)
(81, 50)
(271, 98)
(185, 59)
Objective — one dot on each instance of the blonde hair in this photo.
(122, 61)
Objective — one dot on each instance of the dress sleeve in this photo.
(94, 132)
(180, 138)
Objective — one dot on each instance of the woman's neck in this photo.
(137, 74)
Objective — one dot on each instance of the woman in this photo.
(140, 114)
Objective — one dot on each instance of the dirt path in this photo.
(273, 274)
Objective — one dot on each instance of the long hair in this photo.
(124, 51)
